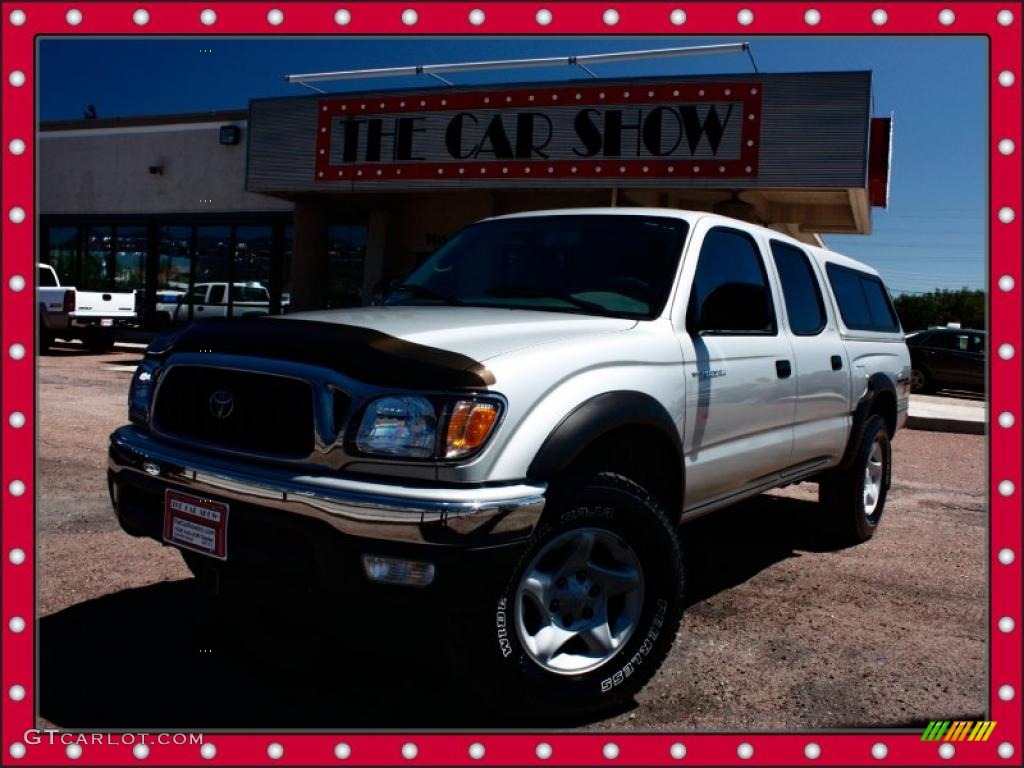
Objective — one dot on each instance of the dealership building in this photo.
(324, 199)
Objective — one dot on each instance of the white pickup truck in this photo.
(522, 433)
(211, 300)
(67, 313)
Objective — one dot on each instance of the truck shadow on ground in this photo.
(163, 657)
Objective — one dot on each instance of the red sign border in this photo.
(19, 344)
(749, 94)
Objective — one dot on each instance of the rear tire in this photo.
(99, 344)
(591, 609)
(854, 497)
(920, 381)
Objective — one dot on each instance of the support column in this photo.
(309, 257)
(373, 264)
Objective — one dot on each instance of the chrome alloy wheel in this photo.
(579, 600)
(873, 478)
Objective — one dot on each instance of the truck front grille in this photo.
(238, 410)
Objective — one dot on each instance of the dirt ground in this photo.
(781, 633)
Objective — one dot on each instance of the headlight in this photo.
(413, 426)
(141, 391)
(399, 426)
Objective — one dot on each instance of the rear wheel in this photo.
(920, 380)
(592, 608)
(99, 343)
(854, 497)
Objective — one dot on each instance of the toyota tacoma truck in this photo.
(522, 431)
(92, 316)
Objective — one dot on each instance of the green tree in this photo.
(965, 306)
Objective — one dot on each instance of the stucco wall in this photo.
(106, 170)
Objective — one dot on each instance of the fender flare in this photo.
(877, 383)
(596, 417)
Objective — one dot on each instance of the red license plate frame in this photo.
(196, 523)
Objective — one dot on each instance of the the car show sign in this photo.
(806, 130)
(622, 131)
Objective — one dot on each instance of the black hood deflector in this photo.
(360, 353)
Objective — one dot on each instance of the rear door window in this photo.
(804, 305)
(863, 301)
(46, 278)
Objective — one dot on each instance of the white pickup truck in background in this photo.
(92, 316)
(211, 300)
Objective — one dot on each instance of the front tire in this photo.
(592, 607)
(854, 496)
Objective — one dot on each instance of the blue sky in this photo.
(932, 236)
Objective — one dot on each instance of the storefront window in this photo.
(250, 293)
(130, 258)
(175, 244)
(213, 251)
(97, 259)
(346, 254)
(62, 250)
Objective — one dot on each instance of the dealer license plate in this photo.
(196, 523)
(106, 322)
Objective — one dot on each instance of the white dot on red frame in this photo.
(1006, 556)
(878, 18)
(16, 625)
(140, 751)
(342, 17)
(477, 17)
(208, 16)
(610, 17)
(677, 17)
(745, 17)
(879, 751)
(544, 17)
(1005, 17)
(812, 17)
(275, 16)
(17, 17)
(73, 17)
(141, 17)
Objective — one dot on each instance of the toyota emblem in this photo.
(222, 403)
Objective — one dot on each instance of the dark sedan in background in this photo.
(947, 358)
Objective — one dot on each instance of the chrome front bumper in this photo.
(451, 516)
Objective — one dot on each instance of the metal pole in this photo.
(476, 66)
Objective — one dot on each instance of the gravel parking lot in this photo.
(782, 633)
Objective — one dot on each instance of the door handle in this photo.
(783, 369)
(837, 363)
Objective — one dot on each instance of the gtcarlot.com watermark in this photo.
(55, 736)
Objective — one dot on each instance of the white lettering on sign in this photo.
(178, 505)
(197, 535)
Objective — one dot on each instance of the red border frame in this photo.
(745, 166)
(645, 18)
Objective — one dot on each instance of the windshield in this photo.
(618, 265)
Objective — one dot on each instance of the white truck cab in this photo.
(92, 316)
(523, 430)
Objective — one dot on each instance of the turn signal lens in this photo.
(469, 426)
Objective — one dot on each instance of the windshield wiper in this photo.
(519, 291)
(421, 291)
